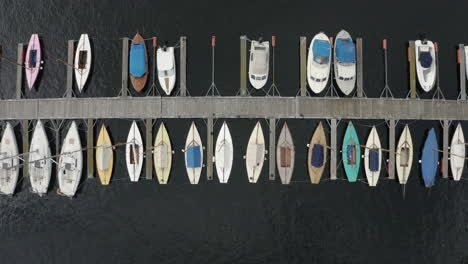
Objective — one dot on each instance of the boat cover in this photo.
(425, 59)
(345, 50)
(285, 157)
(374, 159)
(137, 59)
(351, 154)
(193, 157)
(429, 159)
(321, 49)
(33, 58)
(317, 156)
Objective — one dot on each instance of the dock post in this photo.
(90, 147)
(71, 47)
(183, 66)
(412, 65)
(303, 64)
(209, 151)
(19, 71)
(243, 66)
(445, 139)
(462, 62)
(149, 149)
(391, 147)
(272, 150)
(124, 91)
(359, 71)
(333, 126)
(25, 134)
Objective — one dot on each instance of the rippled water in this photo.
(334, 222)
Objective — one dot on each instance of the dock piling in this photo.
(412, 66)
(89, 146)
(243, 66)
(333, 127)
(124, 89)
(71, 47)
(183, 66)
(391, 147)
(303, 64)
(272, 149)
(149, 147)
(462, 62)
(25, 135)
(209, 151)
(19, 71)
(359, 71)
(445, 139)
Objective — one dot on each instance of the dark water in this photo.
(334, 222)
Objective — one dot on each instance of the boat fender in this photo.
(214, 159)
(243, 157)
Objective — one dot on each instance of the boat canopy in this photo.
(317, 156)
(345, 50)
(137, 59)
(425, 59)
(374, 159)
(193, 157)
(321, 49)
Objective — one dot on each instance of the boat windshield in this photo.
(167, 73)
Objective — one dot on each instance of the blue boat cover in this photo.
(137, 59)
(374, 159)
(350, 154)
(345, 50)
(193, 157)
(321, 49)
(425, 59)
(429, 159)
(33, 58)
(317, 156)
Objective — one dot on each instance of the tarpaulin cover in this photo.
(317, 156)
(345, 50)
(425, 59)
(321, 49)
(351, 154)
(137, 59)
(374, 159)
(429, 159)
(285, 153)
(33, 58)
(193, 157)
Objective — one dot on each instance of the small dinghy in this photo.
(404, 156)
(138, 63)
(317, 156)
(33, 60)
(224, 154)
(373, 158)
(351, 153)
(104, 156)
(255, 154)
(457, 153)
(259, 63)
(430, 159)
(70, 163)
(285, 155)
(134, 152)
(193, 155)
(162, 155)
(425, 64)
(345, 62)
(82, 61)
(9, 161)
(318, 63)
(40, 163)
(166, 68)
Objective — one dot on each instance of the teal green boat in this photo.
(351, 152)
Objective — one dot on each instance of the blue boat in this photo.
(430, 159)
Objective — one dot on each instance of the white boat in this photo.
(224, 153)
(162, 155)
(40, 163)
(318, 62)
(259, 63)
(404, 156)
(425, 64)
(255, 155)
(70, 163)
(345, 62)
(82, 61)
(457, 153)
(285, 155)
(166, 68)
(373, 158)
(9, 168)
(193, 155)
(134, 152)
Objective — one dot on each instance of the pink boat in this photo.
(33, 60)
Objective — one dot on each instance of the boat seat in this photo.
(425, 59)
(317, 155)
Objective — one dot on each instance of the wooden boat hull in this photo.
(9, 168)
(457, 153)
(285, 155)
(193, 154)
(82, 62)
(373, 158)
(317, 155)
(134, 153)
(430, 159)
(351, 153)
(40, 163)
(255, 154)
(33, 60)
(318, 74)
(404, 156)
(70, 164)
(162, 155)
(104, 156)
(224, 153)
(140, 75)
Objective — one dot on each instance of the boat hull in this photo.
(134, 152)
(70, 164)
(285, 155)
(9, 168)
(82, 62)
(317, 155)
(373, 158)
(255, 154)
(224, 153)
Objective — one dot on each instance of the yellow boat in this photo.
(162, 155)
(104, 156)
